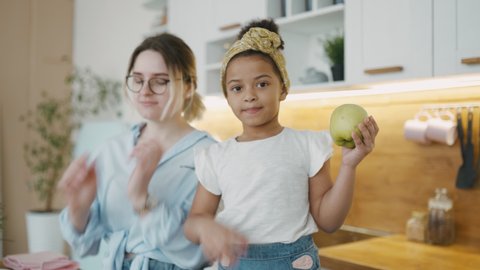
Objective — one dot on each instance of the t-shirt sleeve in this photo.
(204, 168)
(320, 149)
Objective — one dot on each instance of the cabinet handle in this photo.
(471, 61)
(230, 26)
(374, 71)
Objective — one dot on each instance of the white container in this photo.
(43, 232)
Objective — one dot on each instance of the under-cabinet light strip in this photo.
(451, 106)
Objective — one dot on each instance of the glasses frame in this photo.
(148, 83)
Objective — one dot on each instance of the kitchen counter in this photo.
(396, 252)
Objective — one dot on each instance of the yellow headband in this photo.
(258, 39)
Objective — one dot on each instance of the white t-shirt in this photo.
(264, 183)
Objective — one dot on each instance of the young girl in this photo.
(137, 191)
(274, 181)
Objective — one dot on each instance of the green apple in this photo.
(343, 121)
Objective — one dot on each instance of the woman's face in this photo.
(150, 67)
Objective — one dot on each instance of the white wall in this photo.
(192, 20)
(107, 31)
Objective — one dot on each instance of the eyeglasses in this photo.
(156, 85)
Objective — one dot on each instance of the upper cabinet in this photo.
(304, 27)
(407, 39)
(385, 40)
(456, 37)
(388, 40)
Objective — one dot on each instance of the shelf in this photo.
(312, 22)
(305, 25)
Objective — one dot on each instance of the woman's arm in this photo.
(80, 221)
(87, 241)
(79, 185)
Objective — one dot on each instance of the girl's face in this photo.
(254, 91)
(150, 66)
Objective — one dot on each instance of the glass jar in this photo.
(416, 226)
(440, 229)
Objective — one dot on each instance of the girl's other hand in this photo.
(222, 244)
(369, 130)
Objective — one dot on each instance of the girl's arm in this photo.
(330, 203)
(218, 242)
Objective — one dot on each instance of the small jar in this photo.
(416, 226)
(441, 228)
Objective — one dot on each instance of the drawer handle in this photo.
(471, 61)
(374, 71)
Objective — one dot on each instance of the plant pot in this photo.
(43, 232)
(337, 72)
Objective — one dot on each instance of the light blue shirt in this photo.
(158, 235)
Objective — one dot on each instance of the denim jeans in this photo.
(301, 254)
(152, 265)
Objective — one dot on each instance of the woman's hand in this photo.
(369, 130)
(222, 244)
(147, 154)
(79, 184)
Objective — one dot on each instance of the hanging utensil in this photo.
(466, 173)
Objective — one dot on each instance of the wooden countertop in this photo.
(396, 252)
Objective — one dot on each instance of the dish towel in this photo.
(40, 261)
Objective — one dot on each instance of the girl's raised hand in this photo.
(369, 130)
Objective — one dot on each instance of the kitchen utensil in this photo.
(466, 173)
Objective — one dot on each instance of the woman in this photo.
(136, 190)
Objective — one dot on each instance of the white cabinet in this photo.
(456, 37)
(303, 25)
(388, 40)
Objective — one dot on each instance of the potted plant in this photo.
(334, 49)
(47, 153)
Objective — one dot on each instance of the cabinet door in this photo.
(388, 40)
(456, 37)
